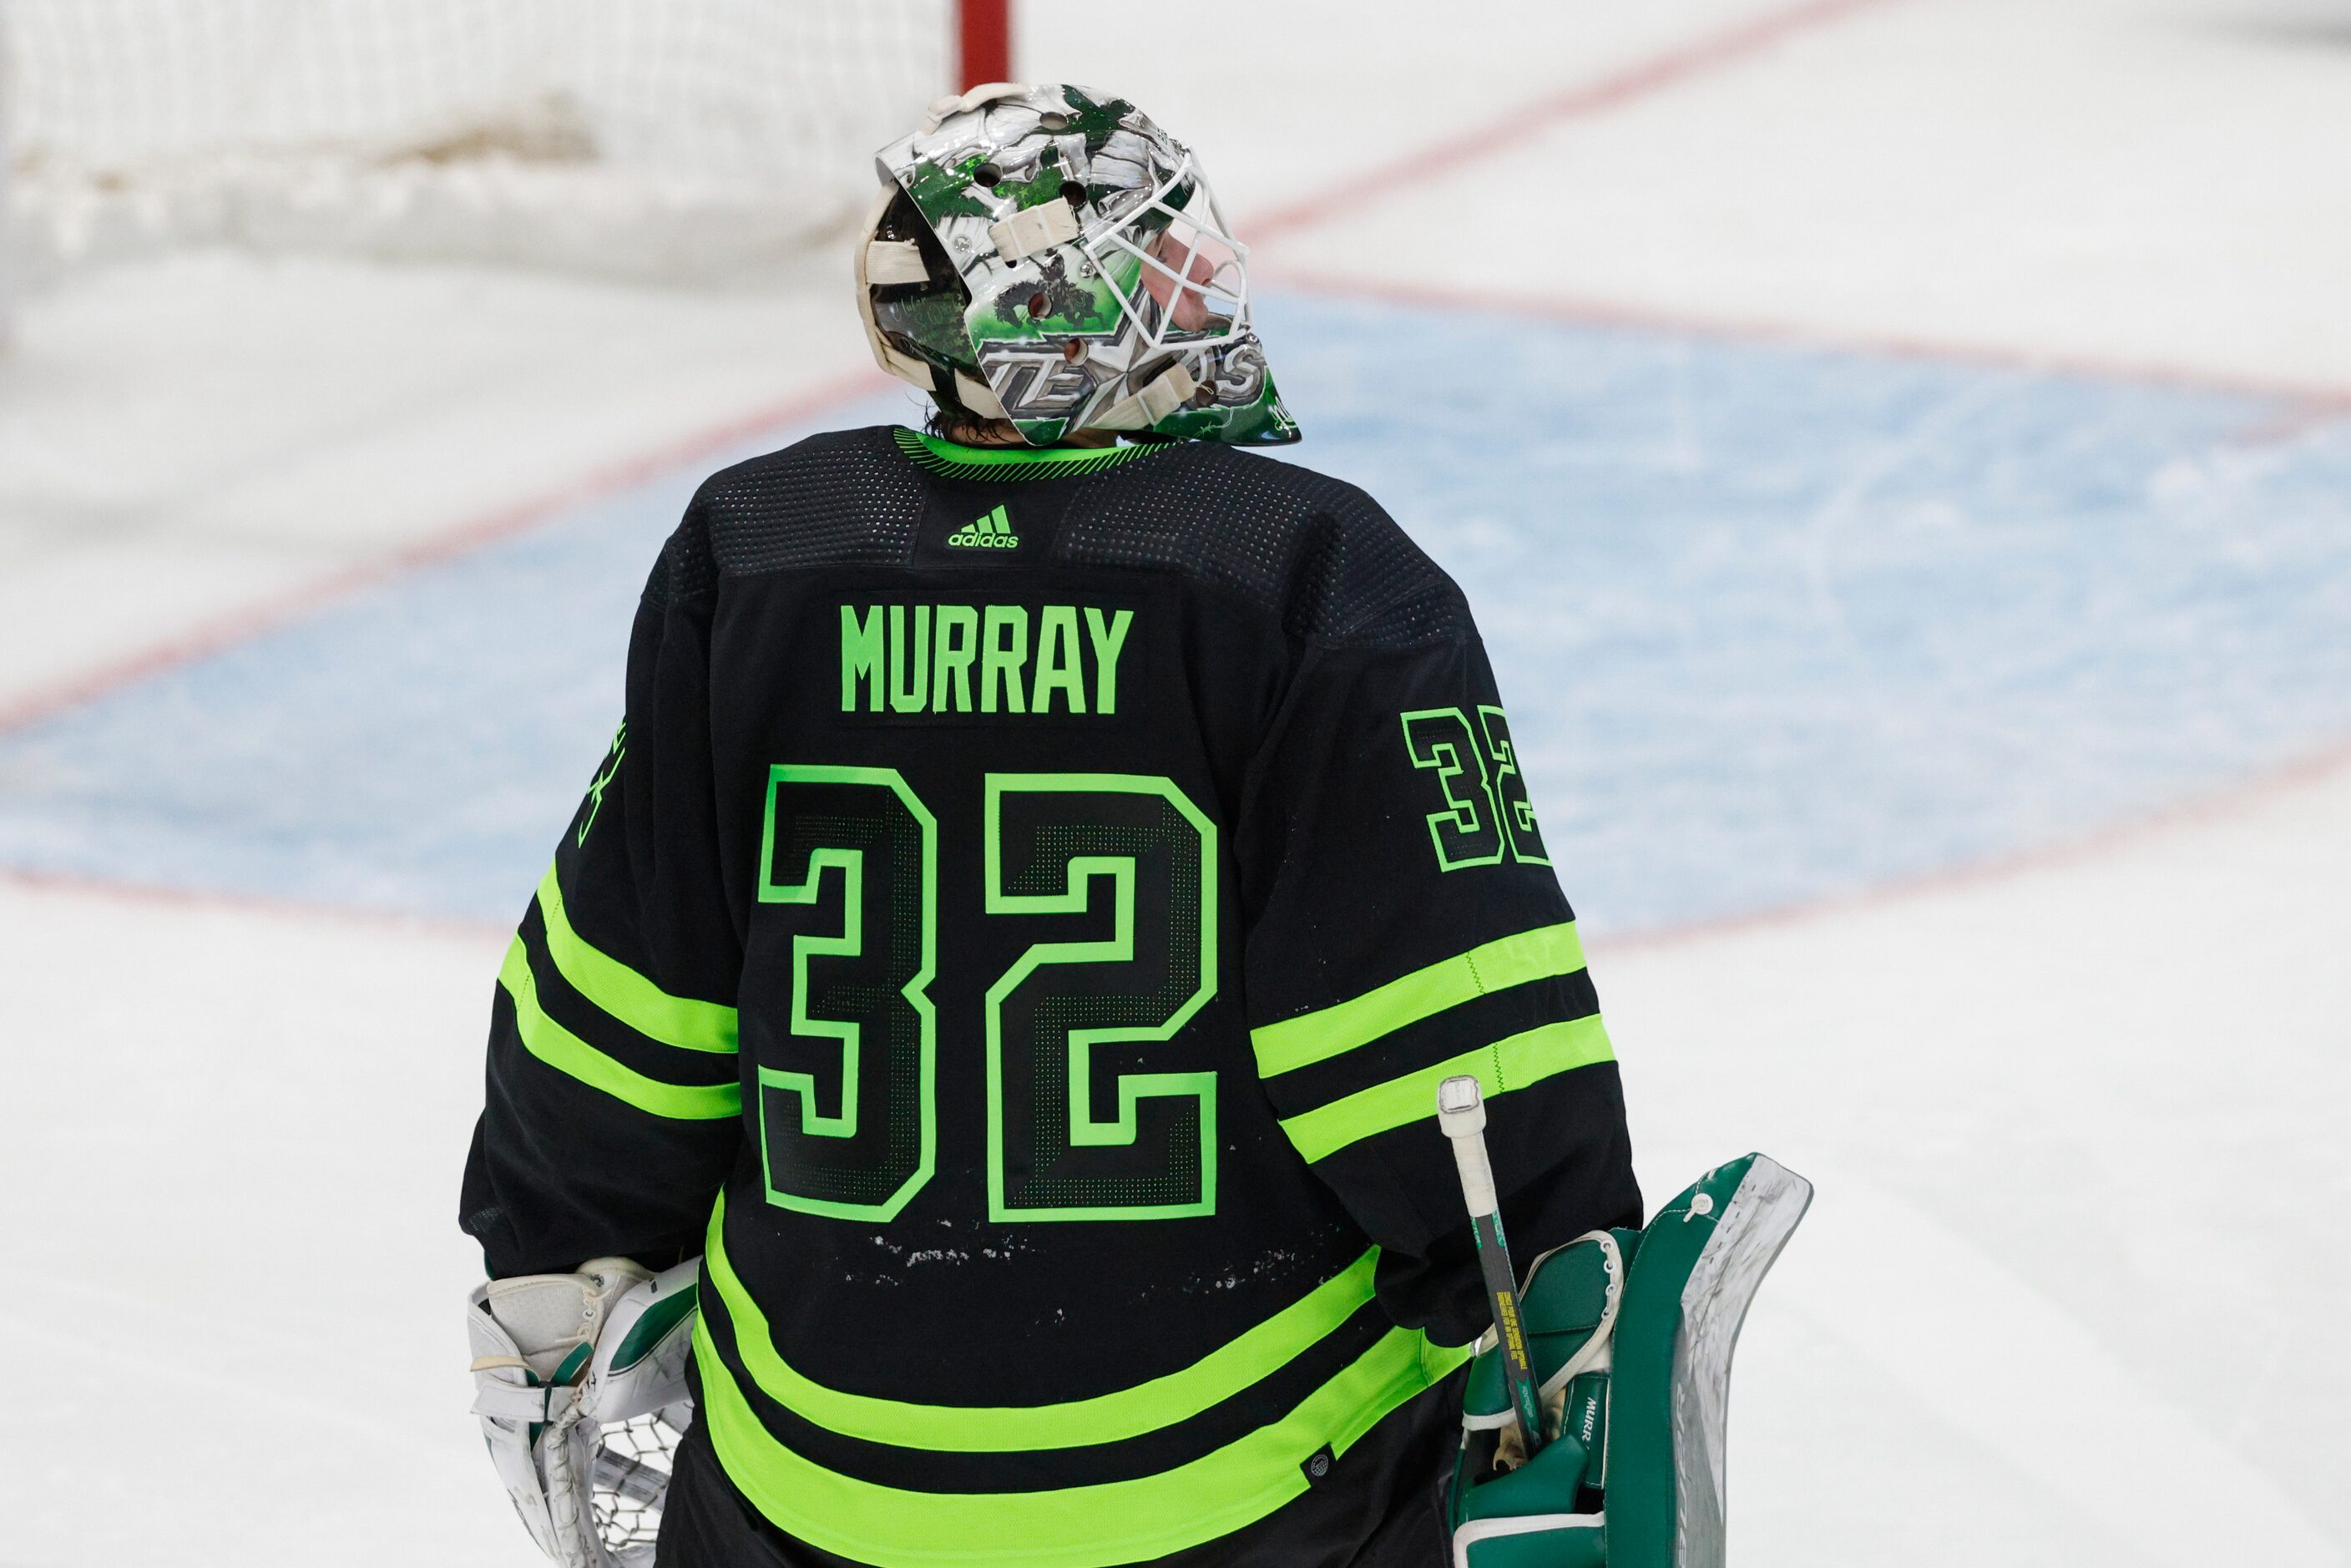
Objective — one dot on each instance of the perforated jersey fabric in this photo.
(1316, 552)
(1014, 938)
(830, 499)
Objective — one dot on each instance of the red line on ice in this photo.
(1638, 80)
(486, 528)
(2225, 802)
(166, 896)
(2316, 401)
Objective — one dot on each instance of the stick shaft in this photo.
(1462, 1115)
(1503, 1299)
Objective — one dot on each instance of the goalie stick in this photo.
(1461, 1113)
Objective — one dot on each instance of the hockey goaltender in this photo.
(971, 1068)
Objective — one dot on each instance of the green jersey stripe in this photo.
(567, 1052)
(1301, 1041)
(1515, 1061)
(1072, 1527)
(627, 995)
(1111, 1418)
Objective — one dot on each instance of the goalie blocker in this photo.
(1631, 1334)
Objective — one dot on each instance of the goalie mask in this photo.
(1048, 256)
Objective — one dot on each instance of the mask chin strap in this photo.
(1159, 397)
(978, 396)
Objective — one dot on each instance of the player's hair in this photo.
(965, 428)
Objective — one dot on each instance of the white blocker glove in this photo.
(557, 1357)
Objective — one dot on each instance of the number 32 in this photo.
(848, 1089)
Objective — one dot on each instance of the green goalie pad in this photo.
(1631, 1335)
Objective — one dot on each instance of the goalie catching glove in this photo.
(1630, 1334)
(556, 1359)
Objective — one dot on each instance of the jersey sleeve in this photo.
(613, 1112)
(1405, 925)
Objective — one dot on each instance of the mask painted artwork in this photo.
(1048, 256)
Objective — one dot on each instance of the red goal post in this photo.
(982, 42)
(657, 139)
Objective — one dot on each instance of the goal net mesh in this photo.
(649, 138)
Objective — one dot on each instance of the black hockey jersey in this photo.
(1016, 936)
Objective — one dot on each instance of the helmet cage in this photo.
(1209, 277)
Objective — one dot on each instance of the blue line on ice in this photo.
(1772, 623)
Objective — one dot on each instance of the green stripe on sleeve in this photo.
(1072, 1527)
(567, 1052)
(626, 995)
(1513, 1062)
(1111, 1418)
(1496, 966)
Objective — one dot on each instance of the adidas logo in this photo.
(993, 531)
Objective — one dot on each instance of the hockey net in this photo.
(655, 139)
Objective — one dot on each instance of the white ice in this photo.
(2069, 1291)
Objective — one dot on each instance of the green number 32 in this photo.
(849, 1086)
(1487, 816)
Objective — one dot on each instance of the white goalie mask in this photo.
(1048, 256)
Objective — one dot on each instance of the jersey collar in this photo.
(954, 462)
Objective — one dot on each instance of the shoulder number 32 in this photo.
(1487, 816)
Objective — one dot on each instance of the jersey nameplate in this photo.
(982, 659)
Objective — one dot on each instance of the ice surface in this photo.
(2077, 1134)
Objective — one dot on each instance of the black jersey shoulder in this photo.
(1314, 550)
(844, 496)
